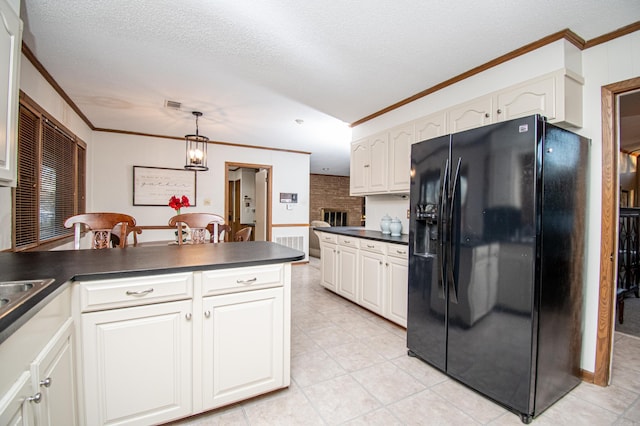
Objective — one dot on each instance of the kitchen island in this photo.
(145, 335)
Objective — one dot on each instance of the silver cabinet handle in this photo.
(139, 293)
(207, 314)
(46, 382)
(252, 280)
(401, 252)
(370, 246)
(35, 398)
(366, 165)
(188, 316)
(499, 111)
(486, 114)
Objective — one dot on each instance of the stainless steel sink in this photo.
(15, 293)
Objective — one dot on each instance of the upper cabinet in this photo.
(381, 163)
(10, 42)
(369, 164)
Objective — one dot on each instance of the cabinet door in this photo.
(536, 97)
(10, 44)
(15, 407)
(379, 160)
(138, 364)
(243, 345)
(348, 272)
(430, 127)
(53, 374)
(360, 167)
(471, 114)
(328, 256)
(397, 290)
(400, 140)
(372, 281)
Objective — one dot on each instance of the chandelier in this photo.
(196, 145)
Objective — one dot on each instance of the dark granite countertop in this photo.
(83, 265)
(365, 233)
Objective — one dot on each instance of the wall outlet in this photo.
(408, 213)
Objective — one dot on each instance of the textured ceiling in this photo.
(254, 67)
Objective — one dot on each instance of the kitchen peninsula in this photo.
(145, 335)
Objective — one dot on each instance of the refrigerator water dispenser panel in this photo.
(426, 237)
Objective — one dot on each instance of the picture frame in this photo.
(154, 186)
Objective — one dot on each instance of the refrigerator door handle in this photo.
(453, 291)
(441, 229)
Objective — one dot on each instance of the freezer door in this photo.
(492, 260)
(426, 325)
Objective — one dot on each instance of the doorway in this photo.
(248, 199)
(609, 226)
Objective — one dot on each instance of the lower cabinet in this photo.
(17, 406)
(137, 364)
(53, 375)
(242, 345)
(371, 273)
(38, 379)
(225, 339)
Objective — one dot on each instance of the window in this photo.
(51, 178)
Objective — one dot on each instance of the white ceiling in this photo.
(254, 67)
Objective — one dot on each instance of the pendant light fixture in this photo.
(196, 157)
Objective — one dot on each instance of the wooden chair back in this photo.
(198, 222)
(243, 235)
(101, 224)
(224, 231)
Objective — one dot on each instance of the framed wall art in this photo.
(153, 186)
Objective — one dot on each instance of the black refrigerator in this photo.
(496, 253)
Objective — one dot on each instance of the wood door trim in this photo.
(269, 170)
(608, 229)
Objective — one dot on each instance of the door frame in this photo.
(269, 170)
(608, 227)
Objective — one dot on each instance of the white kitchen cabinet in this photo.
(329, 256)
(371, 273)
(53, 375)
(472, 114)
(400, 140)
(243, 345)
(397, 278)
(557, 96)
(372, 276)
(137, 364)
(431, 126)
(369, 164)
(17, 406)
(10, 52)
(347, 275)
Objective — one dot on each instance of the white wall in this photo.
(113, 156)
(600, 65)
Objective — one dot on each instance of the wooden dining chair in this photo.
(101, 225)
(243, 234)
(224, 231)
(198, 222)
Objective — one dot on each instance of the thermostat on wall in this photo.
(288, 197)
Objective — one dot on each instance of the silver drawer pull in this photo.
(370, 246)
(35, 398)
(46, 382)
(252, 280)
(139, 293)
(401, 252)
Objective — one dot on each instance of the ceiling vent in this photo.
(172, 104)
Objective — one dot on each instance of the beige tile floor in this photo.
(349, 366)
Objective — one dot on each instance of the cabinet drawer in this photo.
(325, 237)
(117, 293)
(241, 279)
(398, 250)
(348, 241)
(373, 246)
